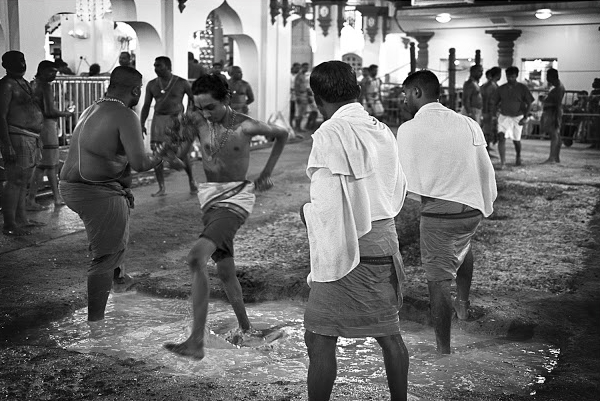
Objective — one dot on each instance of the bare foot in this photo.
(186, 349)
(461, 308)
(161, 192)
(15, 232)
(550, 161)
(59, 202)
(123, 284)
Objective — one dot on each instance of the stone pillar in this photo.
(413, 59)
(423, 55)
(452, 79)
(506, 43)
(375, 28)
(326, 28)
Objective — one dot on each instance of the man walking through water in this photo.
(357, 187)
(449, 171)
(21, 122)
(96, 178)
(167, 90)
(226, 199)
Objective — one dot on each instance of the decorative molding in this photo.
(371, 16)
(423, 54)
(506, 44)
(181, 5)
(324, 18)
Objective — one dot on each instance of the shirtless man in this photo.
(167, 90)
(21, 122)
(241, 91)
(44, 96)
(226, 199)
(96, 178)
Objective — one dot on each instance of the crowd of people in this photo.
(360, 174)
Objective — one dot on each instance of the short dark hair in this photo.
(495, 72)
(11, 56)
(475, 67)
(45, 65)
(165, 60)
(214, 84)
(334, 82)
(124, 77)
(552, 73)
(512, 70)
(426, 80)
(373, 67)
(94, 69)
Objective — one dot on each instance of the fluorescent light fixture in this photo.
(443, 18)
(543, 13)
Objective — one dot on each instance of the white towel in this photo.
(444, 156)
(356, 178)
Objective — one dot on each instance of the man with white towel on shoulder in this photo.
(357, 188)
(448, 169)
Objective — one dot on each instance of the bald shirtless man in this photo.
(167, 90)
(95, 180)
(226, 199)
(241, 91)
(21, 122)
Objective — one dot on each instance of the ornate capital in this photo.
(506, 43)
(323, 14)
(181, 5)
(371, 16)
(422, 39)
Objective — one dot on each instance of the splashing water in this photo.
(137, 326)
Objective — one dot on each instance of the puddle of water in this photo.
(137, 325)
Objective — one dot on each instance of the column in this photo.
(375, 26)
(506, 43)
(326, 27)
(423, 54)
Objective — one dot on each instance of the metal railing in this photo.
(77, 93)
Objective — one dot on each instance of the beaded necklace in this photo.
(163, 90)
(110, 99)
(224, 137)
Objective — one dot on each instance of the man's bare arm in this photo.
(249, 95)
(280, 137)
(50, 111)
(6, 148)
(130, 133)
(146, 107)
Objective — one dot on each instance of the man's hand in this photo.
(263, 183)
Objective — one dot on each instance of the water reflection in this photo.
(137, 325)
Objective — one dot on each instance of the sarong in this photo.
(160, 124)
(49, 137)
(104, 209)
(509, 125)
(445, 241)
(238, 196)
(220, 226)
(26, 152)
(551, 119)
(365, 302)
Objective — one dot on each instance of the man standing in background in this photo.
(241, 91)
(48, 165)
(514, 100)
(472, 101)
(489, 121)
(168, 91)
(552, 114)
(21, 122)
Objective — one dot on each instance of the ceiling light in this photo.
(543, 13)
(443, 18)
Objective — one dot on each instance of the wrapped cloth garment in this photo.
(365, 302)
(104, 210)
(238, 196)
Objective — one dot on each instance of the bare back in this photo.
(99, 147)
